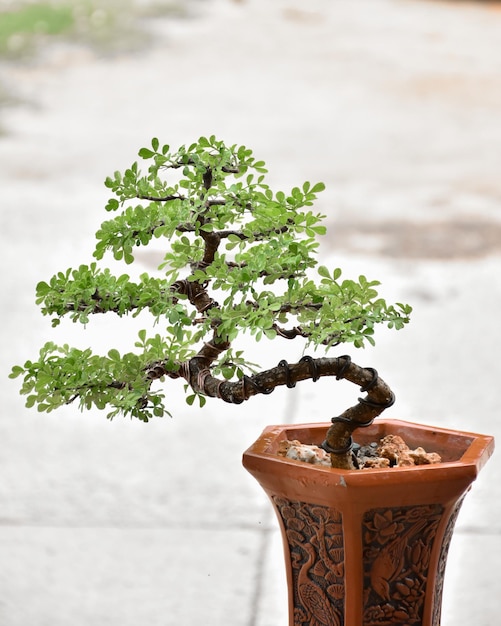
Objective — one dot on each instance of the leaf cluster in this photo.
(228, 236)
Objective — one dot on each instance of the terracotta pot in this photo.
(367, 547)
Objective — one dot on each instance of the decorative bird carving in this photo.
(390, 561)
(314, 599)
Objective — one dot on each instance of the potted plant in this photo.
(362, 546)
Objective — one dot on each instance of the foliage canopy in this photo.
(239, 258)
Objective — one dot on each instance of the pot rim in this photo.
(469, 451)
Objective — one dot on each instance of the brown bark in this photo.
(338, 439)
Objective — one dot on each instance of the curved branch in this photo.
(169, 198)
(338, 441)
(256, 236)
(229, 169)
(196, 293)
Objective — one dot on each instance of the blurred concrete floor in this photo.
(396, 106)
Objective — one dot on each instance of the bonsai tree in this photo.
(239, 258)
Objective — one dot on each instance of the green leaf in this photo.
(319, 230)
(142, 335)
(270, 333)
(114, 355)
(30, 401)
(16, 371)
(318, 187)
(146, 153)
(42, 289)
(112, 205)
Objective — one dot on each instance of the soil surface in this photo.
(391, 451)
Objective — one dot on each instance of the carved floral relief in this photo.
(397, 544)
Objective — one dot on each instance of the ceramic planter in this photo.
(367, 547)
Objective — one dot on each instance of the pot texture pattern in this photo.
(367, 547)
